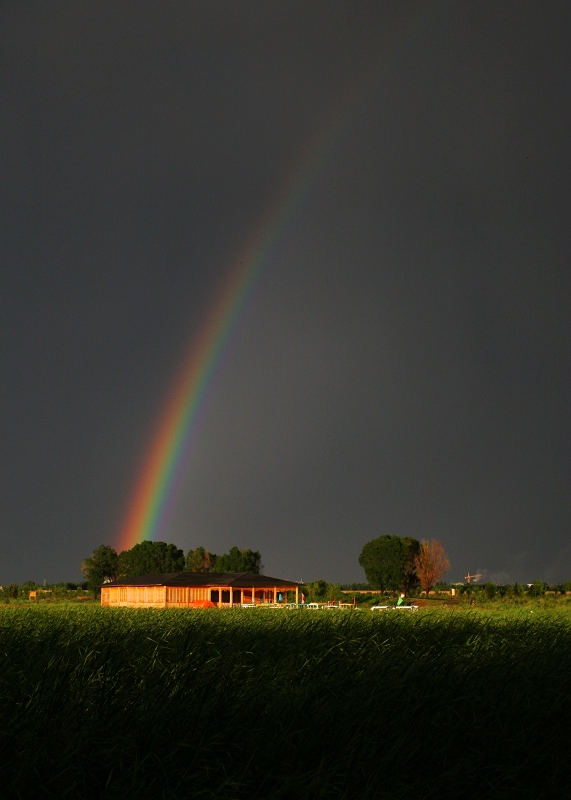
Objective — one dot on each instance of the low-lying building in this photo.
(195, 589)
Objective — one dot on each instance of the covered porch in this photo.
(273, 595)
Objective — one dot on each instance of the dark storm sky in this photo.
(404, 365)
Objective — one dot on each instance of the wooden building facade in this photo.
(188, 589)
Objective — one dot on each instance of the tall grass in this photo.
(109, 703)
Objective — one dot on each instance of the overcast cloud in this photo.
(403, 366)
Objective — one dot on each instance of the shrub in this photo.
(489, 590)
(537, 589)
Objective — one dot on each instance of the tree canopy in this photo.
(150, 557)
(389, 562)
(200, 560)
(244, 560)
(431, 563)
(237, 560)
(102, 565)
(159, 557)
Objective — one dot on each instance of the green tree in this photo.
(102, 565)
(149, 558)
(537, 589)
(389, 562)
(490, 590)
(318, 590)
(237, 560)
(200, 560)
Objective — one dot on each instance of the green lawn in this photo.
(231, 704)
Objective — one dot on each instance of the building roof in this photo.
(238, 580)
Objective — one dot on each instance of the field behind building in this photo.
(264, 703)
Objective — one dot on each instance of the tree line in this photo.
(391, 563)
(401, 563)
(147, 558)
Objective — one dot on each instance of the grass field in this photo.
(109, 703)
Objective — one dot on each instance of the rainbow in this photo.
(157, 484)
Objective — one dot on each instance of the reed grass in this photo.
(109, 703)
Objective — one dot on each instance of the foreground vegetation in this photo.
(279, 704)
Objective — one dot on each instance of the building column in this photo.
(297, 595)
